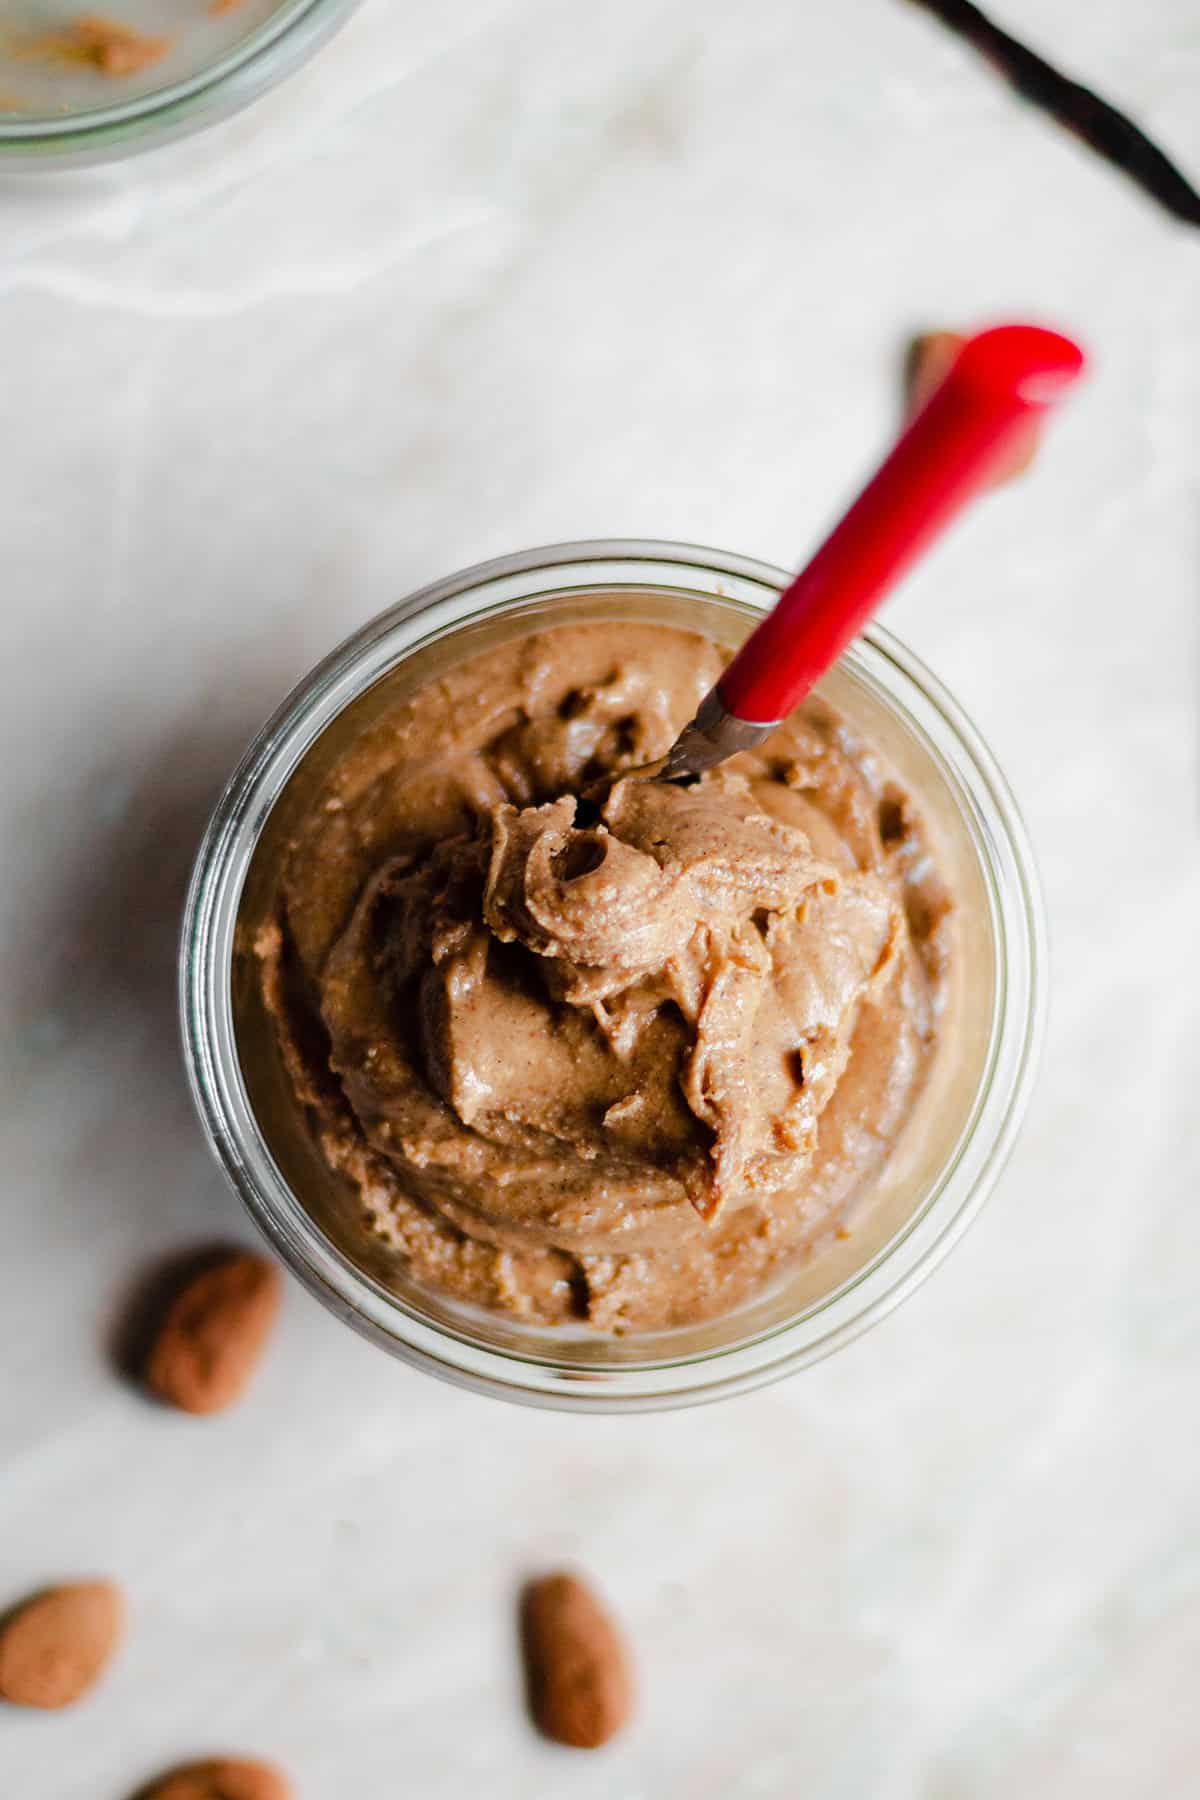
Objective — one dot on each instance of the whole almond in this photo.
(224, 1778)
(580, 1689)
(57, 1643)
(928, 364)
(214, 1332)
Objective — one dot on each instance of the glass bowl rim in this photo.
(249, 68)
(218, 1087)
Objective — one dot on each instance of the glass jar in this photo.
(924, 1200)
(219, 62)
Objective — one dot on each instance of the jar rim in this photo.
(292, 33)
(898, 679)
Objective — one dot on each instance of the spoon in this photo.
(997, 386)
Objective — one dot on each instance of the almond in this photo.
(926, 367)
(580, 1690)
(224, 1778)
(214, 1332)
(57, 1643)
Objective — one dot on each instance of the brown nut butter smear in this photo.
(620, 1071)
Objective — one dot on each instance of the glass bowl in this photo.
(58, 113)
(922, 1203)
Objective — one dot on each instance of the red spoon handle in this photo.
(998, 381)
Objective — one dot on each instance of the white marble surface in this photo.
(507, 273)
